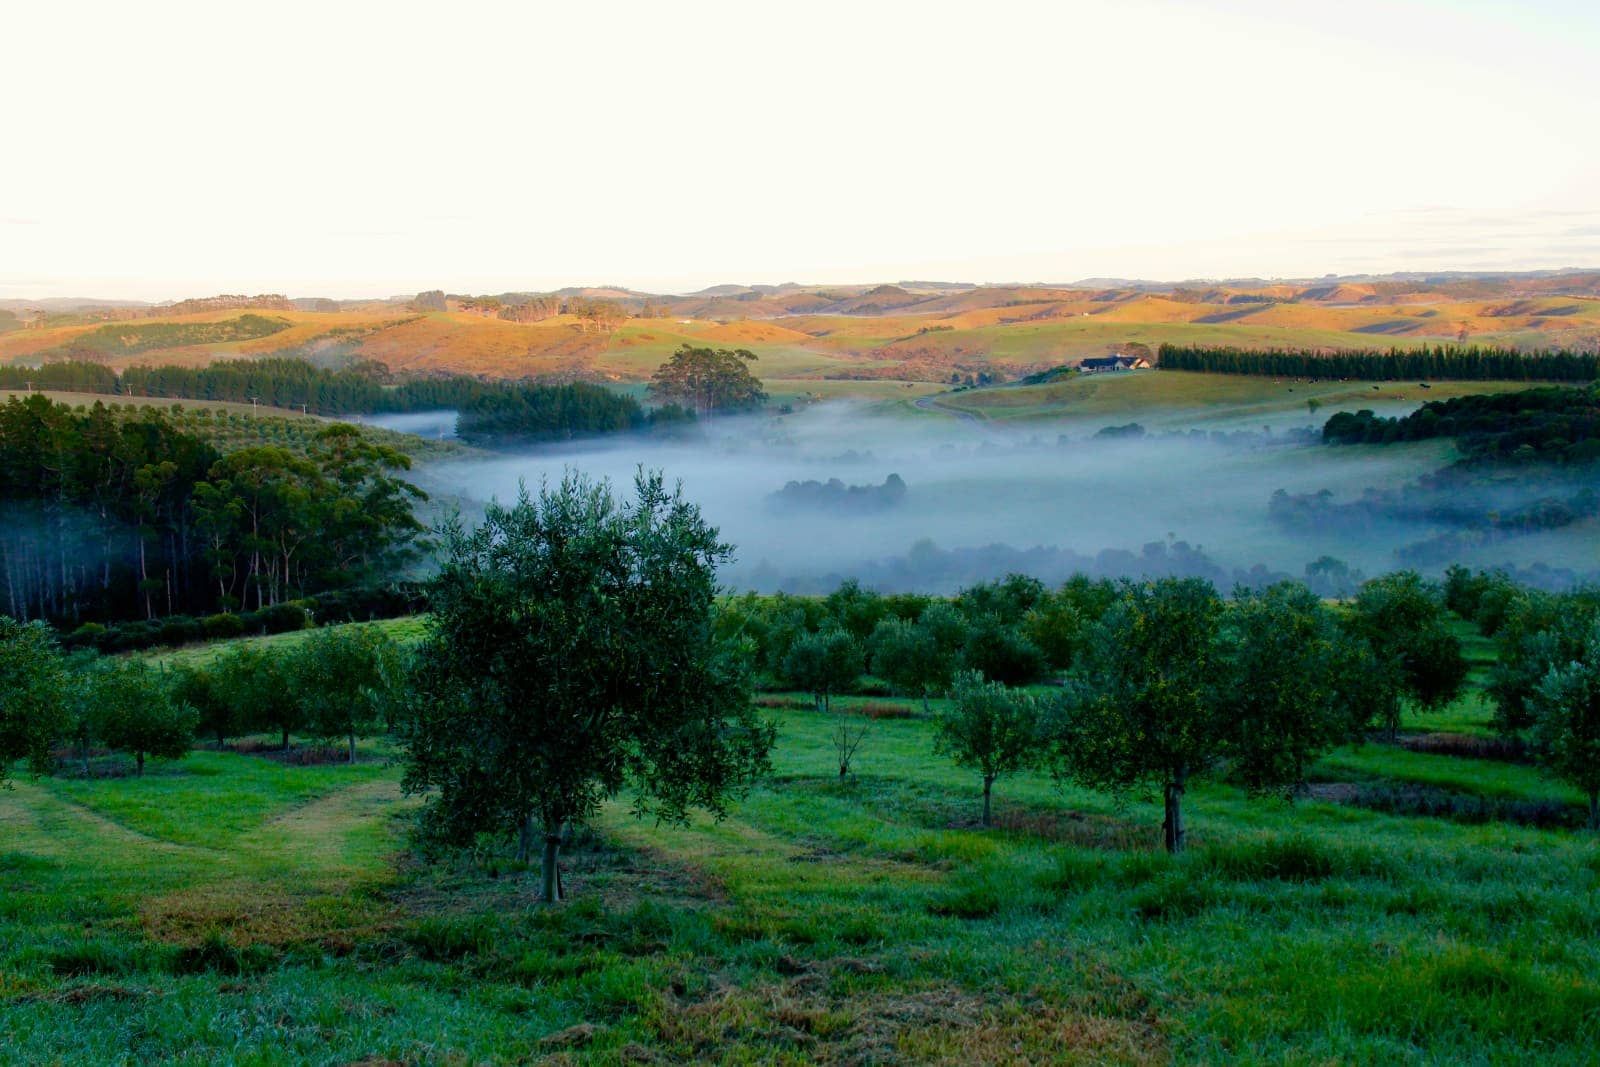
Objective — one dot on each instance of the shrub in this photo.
(180, 630)
(222, 627)
(282, 618)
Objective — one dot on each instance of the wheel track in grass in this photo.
(117, 834)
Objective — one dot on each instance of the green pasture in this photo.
(236, 908)
(1172, 399)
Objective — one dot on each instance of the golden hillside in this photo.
(898, 332)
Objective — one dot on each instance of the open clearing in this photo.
(230, 907)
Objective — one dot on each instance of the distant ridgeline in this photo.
(1552, 424)
(1456, 363)
(834, 496)
(488, 410)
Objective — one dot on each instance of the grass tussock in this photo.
(1468, 746)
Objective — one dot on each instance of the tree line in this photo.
(113, 514)
(1553, 424)
(556, 413)
(365, 388)
(1439, 362)
(1162, 682)
(337, 685)
(124, 339)
(576, 650)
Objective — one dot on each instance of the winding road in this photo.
(927, 403)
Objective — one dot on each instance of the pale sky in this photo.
(160, 150)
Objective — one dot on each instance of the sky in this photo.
(347, 149)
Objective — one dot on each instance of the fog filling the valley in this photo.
(973, 486)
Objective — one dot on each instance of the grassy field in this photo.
(233, 426)
(1159, 399)
(232, 908)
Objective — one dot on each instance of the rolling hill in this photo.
(921, 332)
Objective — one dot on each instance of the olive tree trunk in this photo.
(1173, 826)
(550, 873)
(525, 839)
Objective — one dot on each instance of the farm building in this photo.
(1099, 364)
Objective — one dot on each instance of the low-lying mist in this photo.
(979, 501)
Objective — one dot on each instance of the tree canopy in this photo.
(709, 380)
(570, 653)
(1566, 722)
(108, 515)
(989, 728)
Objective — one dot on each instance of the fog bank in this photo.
(1054, 501)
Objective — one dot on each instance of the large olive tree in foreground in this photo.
(569, 655)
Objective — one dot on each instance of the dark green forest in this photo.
(1453, 363)
(112, 514)
(1553, 424)
(556, 413)
(490, 409)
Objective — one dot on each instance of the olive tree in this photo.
(257, 685)
(1294, 686)
(33, 695)
(990, 728)
(906, 655)
(823, 663)
(1403, 618)
(1542, 631)
(1566, 722)
(569, 653)
(217, 716)
(1141, 710)
(346, 680)
(132, 711)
